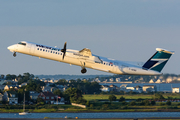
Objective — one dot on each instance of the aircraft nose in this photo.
(11, 48)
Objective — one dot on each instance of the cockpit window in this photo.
(21, 43)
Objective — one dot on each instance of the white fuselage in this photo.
(75, 58)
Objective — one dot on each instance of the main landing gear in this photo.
(83, 70)
(14, 54)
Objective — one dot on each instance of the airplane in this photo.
(86, 59)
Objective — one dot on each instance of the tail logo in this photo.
(158, 62)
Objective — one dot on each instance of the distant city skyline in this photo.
(122, 30)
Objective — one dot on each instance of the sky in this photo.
(127, 30)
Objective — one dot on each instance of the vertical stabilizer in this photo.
(158, 60)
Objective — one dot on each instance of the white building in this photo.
(11, 97)
(97, 80)
(138, 89)
(151, 81)
(118, 79)
(169, 80)
(105, 88)
(111, 80)
(175, 90)
(149, 88)
(159, 81)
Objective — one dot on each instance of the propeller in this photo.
(64, 50)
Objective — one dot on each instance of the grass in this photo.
(10, 110)
(105, 97)
(136, 96)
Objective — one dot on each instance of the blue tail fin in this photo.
(158, 60)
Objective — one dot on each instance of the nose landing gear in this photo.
(14, 54)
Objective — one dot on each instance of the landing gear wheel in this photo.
(83, 71)
(14, 54)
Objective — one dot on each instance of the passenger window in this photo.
(37, 48)
(40, 49)
(43, 50)
(51, 51)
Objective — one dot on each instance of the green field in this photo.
(136, 96)
(105, 97)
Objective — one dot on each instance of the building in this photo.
(118, 79)
(149, 88)
(111, 80)
(60, 87)
(130, 87)
(33, 95)
(159, 81)
(152, 81)
(48, 97)
(113, 88)
(48, 88)
(175, 90)
(23, 84)
(169, 80)
(7, 87)
(123, 87)
(97, 80)
(138, 89)
(11, 97)
(105, 88)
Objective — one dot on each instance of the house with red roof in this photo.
(48, 97)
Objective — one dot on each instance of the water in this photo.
(160, 86)
(94, 115)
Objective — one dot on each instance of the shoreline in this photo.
(102, 111)
(149, 118)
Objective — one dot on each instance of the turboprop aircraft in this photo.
(86, 59)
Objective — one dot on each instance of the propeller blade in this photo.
(63, 55)
(64, 50)
(65, 45)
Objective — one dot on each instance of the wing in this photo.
(85, 52)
